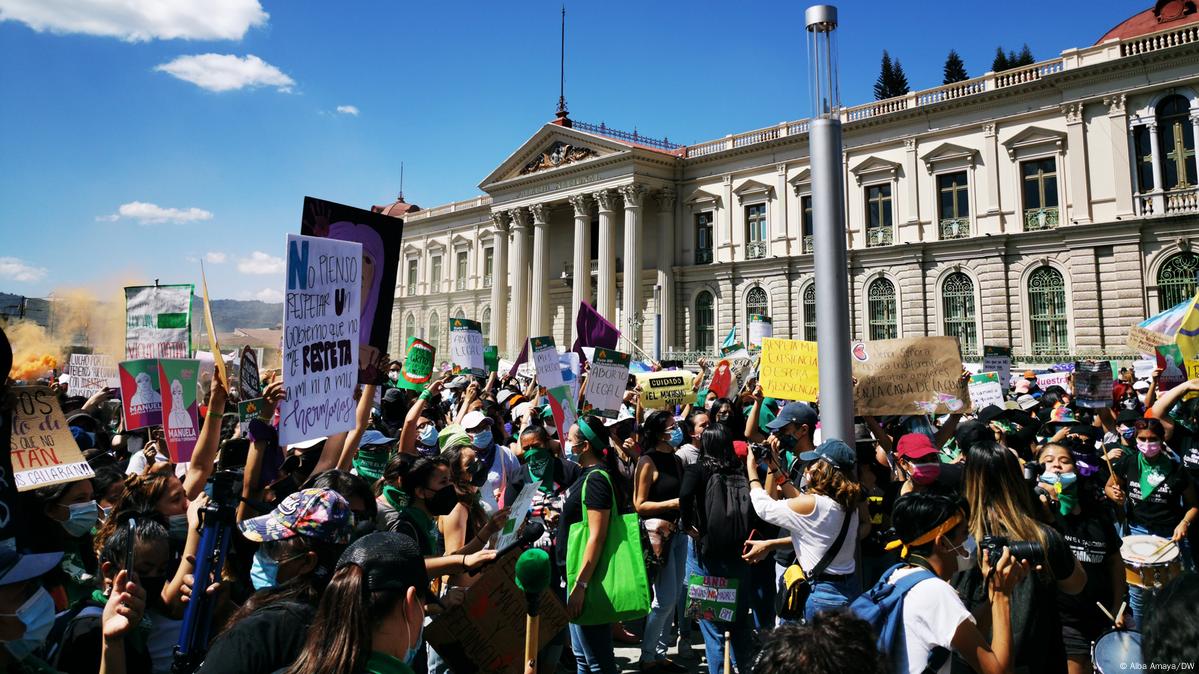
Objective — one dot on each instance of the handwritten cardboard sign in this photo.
(985, 389)
(606, 381)
(466, 347)
(915, 375)
(1047, 379)
(320, 338)
(43, 450)
(1144, 340)
(158, 321)
(663, 390)
(998, 359)
(545, 361)
(789, 370)
(91, 373)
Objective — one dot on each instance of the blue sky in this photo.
(122, 162)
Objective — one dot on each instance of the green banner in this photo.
(418, 365)
(491, 358)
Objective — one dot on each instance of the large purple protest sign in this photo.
(380, 236)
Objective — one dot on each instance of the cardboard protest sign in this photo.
(606, 381)
(158, 321)
(985, 389)
(545, 361)
(789, 370)
(760, 327)
(486, 632)
(91, 373)
(380, 237)
(141, 400)
(418, 365)
(1143, 340)
(180, 409)
(664, 390)
(1047, 379)
(491, 358)
(998, 359)
(908, 376)
(1170, 360)
(249, 381)
(466, 347)
(1144, 367)
(43, 450)
(210, 327)
(320, 345)
(1093, 382)
(711, 598)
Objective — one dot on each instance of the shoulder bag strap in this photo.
(831, 553)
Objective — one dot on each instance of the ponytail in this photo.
(339, 641)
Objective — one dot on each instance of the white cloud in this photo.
(16, 269)
(226, 72)
(153, 214)
(215, 257)
(261, 263)
(269, 295)
(139, 20)
(351, 110)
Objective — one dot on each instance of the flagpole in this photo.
(640, 350)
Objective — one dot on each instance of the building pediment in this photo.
(436, 245)
(702, 196)
(410, 249)
(1033, 138)
(459, 241)
(552, 148)
(948, 152)
(802, 180)
(752, 188)
(875, 167)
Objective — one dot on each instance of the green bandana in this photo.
(540, 465)
(397, 498)
(1066, 500)
(1153, 473)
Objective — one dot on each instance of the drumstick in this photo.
(1120, 614)
(1153, 556)
(1106, 612)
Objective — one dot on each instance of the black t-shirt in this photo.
(599, 497)
(79, 650)
(1092, 537)
(268, 640)
(1163, 510)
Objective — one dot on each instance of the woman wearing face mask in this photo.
(61, 518)
(1086, 524)
(432, 496)
(725, 411)
(419, 435)
(499, 464)
(371, 617)
(921, 463)
(162, 493)
(656, 500)
(26, 608)
(1157, 495)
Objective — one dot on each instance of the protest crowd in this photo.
(482, 515)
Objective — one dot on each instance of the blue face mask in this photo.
(1127, 432)
(428, 437)
(1064, 479)
(676, 437)
(37, 614)
(82, 518)
(482, 439)
(411, 653)
(264, 573)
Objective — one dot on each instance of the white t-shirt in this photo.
(932, 612)
(504, 470)
(814, 533)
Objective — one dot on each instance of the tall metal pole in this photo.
(828, 215)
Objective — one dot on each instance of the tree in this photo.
(1025, 57)
(1000, 63)
(955, 70)
(891, 81)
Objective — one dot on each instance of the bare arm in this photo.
(366, 400)
(1161, 408)
(643, 480)
(203, 460)
(876, 429)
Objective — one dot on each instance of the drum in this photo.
(1147, 563)
(1117, 651)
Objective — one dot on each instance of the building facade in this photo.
(1045, 209)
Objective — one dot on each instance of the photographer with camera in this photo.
(1002, 515)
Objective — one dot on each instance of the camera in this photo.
(1021, 550)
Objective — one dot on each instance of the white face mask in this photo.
(970, 548)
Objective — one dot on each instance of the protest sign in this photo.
(180, 409)
(722, 379)
(1192, 372)
(563, 407)
(380, 238)
(1170, 361)
(998, 359)
(711, 598)
(1047, 379)
(571, 367)
(466, 347)
(249, 381)
(518, 511)
(788, 370)
(545, 361)
(320, 348)
(43, 450)
(1144, 340)
(140, 398)
(486, 632)
(985, 389)
(247, 410)
(664, 390)
(158, 321)
(418, 365)
(91, 373)
(908, 376)
(606, 381)
(1093, 382)
(491, 358)
(734, 351)
(1143, 368)
(760, 327)
(210, 327)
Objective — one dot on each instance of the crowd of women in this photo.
(1010, 522)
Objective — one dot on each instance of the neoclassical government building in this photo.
(1045, 209)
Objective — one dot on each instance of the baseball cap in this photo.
(1027, 402)
(990, 413)
(389, 561)
(475, 419)
(1128, 417)
(1022, 387)
(373, 437)
(914, 446)
(457, 382)
(452, 435)
(322, 514)
(1029, 374)
(1140, 385)
(834, 451)
(374, 451)
(797, 413)
(16, 567)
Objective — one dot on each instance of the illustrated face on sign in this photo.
(145, 393)
(177, 394)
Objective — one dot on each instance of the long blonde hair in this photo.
(826, 479)
(1000, 501)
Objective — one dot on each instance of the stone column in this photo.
(1080, 192)
(666, 251)
(538, 292)
(991, 163)
(581, 281)
(1122, 178)
(499, 282)
(520, 281)
(1154, 146)
(631, 308)
(605, 290)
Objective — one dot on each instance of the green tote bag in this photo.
(619, 588)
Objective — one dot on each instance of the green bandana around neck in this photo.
(1153, 473)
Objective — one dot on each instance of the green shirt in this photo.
(382, 663)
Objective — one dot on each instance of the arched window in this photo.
(459, 313)
(1176, 141)
(957, 309)
(809, 313)
(434, 334)
(882, 312)
(1047, 311)
(485, 324)
(409, 330)
(705, 322)
(756, 302)
(1176, 280)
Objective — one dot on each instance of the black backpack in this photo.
(728, 516)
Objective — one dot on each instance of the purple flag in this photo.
(521, 359)
(593, 330)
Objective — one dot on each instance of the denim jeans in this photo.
(668, 584)
(828, 594)
(1138, 596)
(592, 646)
(765, 589)
(741, 629)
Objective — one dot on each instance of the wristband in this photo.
(755, 480)
(425, 395)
